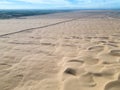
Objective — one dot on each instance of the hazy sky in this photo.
(59, 4)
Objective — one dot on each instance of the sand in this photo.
(64, 51)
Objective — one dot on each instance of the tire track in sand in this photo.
(30, 29)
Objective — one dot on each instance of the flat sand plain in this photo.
(65, 51)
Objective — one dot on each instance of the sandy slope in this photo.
(83, 54)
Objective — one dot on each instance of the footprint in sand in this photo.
(85, 82)
(72, 67)
(102, 41)
(72, 64)
(75, 37)
(104, 38)
(70, 71)
(116, 35)
(90, 60)
(47, 44)
(96, 48)
(4, 66)
(114, 85)
(115, 52)
(75, 60)
(75, 63)
(110, 44)
(72, 84)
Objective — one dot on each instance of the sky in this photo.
(59, 4)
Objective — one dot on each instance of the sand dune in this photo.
(66, 54)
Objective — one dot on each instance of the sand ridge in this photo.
(83, 54)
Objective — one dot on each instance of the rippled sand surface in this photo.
(63, 51)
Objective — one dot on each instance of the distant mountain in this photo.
(7, 14)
